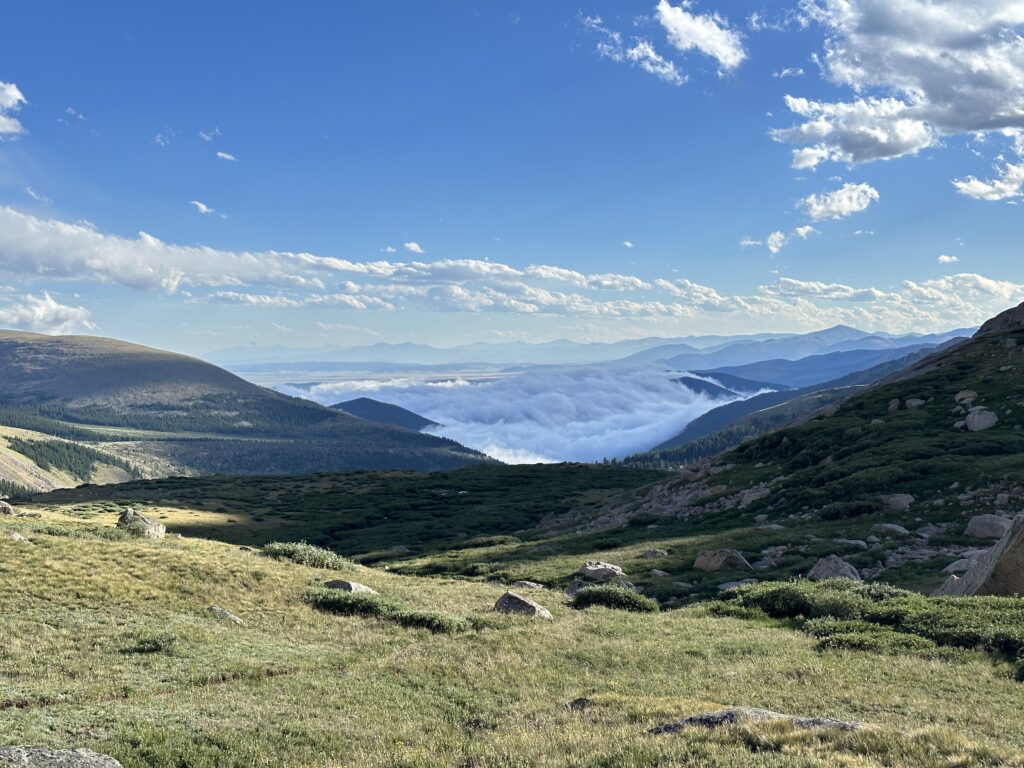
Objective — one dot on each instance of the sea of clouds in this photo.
(541, 415)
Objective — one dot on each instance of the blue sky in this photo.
(474, 171)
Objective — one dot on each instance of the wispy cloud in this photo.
(209, 135)
(227, 156)
(38, 197)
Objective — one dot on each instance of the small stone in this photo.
(914, 403)
(733, 584)
(524, 584)
(220, 613)
(6, 509)
(966, 394)
(350, 586)
(894, 405)
(851, 543)
(889, 528)
(17, 537)
(510, 602)
(651, 554)
(899, 501)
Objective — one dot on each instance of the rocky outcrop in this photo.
(510, 602)
(1010, 320)
(6, 509)
(746, 714)
(44, 757)
(721, 560)
(1000, 571)
(833, 567)
(350, 586)
(139, 525)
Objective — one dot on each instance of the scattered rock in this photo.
(833, 567)
(350, 586)
(139, 525)
(220, 613)
(580, 704)
(721, 560)
(771, 527)
(44, 757)
(873, 540)
(15, 536)
(980, 418)
(894, 405)
(966, 394)
(733, 584)
(889, 528)
(683, 586)
(987, 526)
(524, 584)
(761, 519)
(751, 495)
(651, 554)
(898, 501)
(6, 509)
(745, 714)
(510, 602)
(656, 574)
(914, 403)
(595, 570)
(999, 571)
(851, 543)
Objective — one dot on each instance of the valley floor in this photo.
(108, 643)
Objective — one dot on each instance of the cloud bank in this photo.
(573, 414)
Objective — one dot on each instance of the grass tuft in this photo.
(361, 604)
(306, 554)
(614, 597)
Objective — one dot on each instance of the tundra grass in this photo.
(109, 644)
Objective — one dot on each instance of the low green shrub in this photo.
(305, 554)
(614, 597)
(363, 604)
(152, 642)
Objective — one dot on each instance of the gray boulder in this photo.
(6, 509)
(980, 418)
(139, 525)
(721, 560)
(595, 570)
(966, 395)
(510, 602)
(44, 757)
(987, 526)
(833, 567)
(17, 537)
(524, 584)
(651, 554)
(999, 571)
(746, 714)
(899, 501)
(914, 403)
(350, 586)
(733, 584)
(889, 528)
(657, 574)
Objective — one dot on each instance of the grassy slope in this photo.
(193, 416)
(300, 688)
(18, 469)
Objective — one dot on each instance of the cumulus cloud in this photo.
(708, 33)
(572, 414)
(413, 247)
(44, 314)
(944, 259)
(627, 244)
(843, 202)
(776, 241)
(11, 100)
(788, 72)
(1009, 180)
(227, 156)
(203, 208)
(918, 70)
(36, 249)
(640, 53)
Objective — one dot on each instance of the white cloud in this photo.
(1008, 184)
(708, 33)
(776, 241)
(843, 202)
(749, 242)
(641, 53)
(74, 113)
(805, 231)
(227, 156)
(209, 135)
(918, 70)
(944, 259)
(11, 100)
(413, 247)
(202, 207)
(627, 244)
(43, 314)
(37, 196)
(163, 139)
(389, 249)
(788, 72)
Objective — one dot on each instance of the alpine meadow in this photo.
(626, 385)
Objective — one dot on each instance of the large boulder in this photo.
(595, 570)
(350, 586)
(721, 560)
(987, 526)
(44, 757)
(1000, 571)
(980, 418)
(833, 567)
(510, 602)
(899, 501)
(139, 525)
(6, 509)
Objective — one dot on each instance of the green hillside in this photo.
(172, 414)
